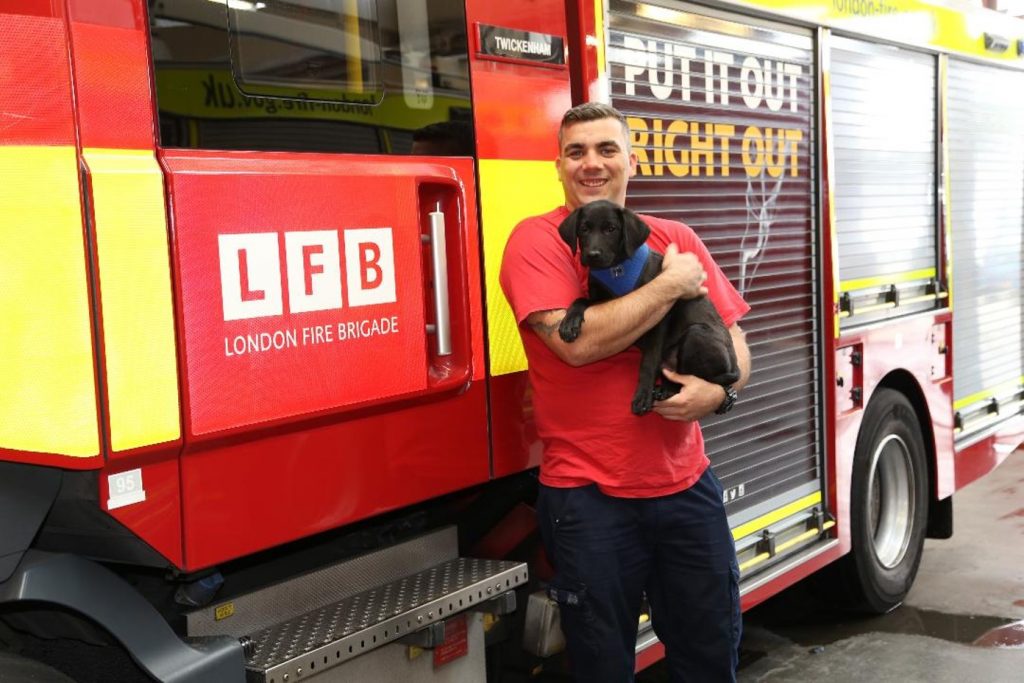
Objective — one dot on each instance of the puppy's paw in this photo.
(569, 329)
(643, 401)
(666, 390)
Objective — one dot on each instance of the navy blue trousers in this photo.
(607, 552)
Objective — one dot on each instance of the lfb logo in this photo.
(250, 271)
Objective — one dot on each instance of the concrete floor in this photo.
(962, 621)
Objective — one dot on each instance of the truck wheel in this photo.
(17, 669)
(889, 504)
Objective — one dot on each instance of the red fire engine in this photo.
(264, 412)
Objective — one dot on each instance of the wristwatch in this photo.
(728, 403)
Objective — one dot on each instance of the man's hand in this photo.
(696, 399)
(684, 272)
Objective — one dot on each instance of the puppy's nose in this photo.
(593, 253)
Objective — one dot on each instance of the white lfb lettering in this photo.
(314, 270)
(370, 266)
(250, 271)
(250, 275)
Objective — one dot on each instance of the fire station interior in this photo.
(826, 199)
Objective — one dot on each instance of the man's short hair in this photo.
(592, 111)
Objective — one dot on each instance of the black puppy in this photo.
(691, 338)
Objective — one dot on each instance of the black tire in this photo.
(888, 504)
(17, 669)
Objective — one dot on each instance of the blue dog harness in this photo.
(621, 278)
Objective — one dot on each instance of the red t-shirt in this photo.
(583, 414)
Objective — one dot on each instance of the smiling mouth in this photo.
(593, 182)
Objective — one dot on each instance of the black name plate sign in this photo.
(520, 46)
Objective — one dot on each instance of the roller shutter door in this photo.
(722, 118)
(986, 174)
(884, 124)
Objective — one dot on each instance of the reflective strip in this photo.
(1005, 387)
(509, 192)
(135, 292)
(765, 521)
(599, 38)
(947, 191)
(47, 380)
(882, 280)
(830, 170)
(782, 547)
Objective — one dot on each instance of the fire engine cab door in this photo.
(326, 275)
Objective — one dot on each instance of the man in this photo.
(627, 505)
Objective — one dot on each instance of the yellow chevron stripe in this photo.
(135, 292)
(47, 381)
(509, 192)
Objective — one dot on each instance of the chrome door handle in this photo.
(439, 259)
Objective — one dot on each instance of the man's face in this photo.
(593, 162)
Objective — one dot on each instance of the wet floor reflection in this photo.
(805, 617)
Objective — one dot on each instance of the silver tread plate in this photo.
(325, 637)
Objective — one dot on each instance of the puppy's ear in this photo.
(634, 231)
(567, 230)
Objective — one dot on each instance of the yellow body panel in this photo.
(509, 192)
(952, 27)
(135, 293)
(47, 378)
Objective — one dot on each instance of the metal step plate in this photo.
(309, 643)
(256, 610)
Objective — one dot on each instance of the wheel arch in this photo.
(940, 511)
(82, 588)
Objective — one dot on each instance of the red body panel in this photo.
(911, 345)
(977, 460)
(325, 428)
(116, 13)
(785, 580)
(244, 497)
(112, 86)
(651, 655)
(35, 86)
(158, 520)
(583, 52)
(517, 106)
(113, 98)
(513, 430)
(295, 371)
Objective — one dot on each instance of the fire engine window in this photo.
(356, 76)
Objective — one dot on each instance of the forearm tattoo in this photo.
(545, 327)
